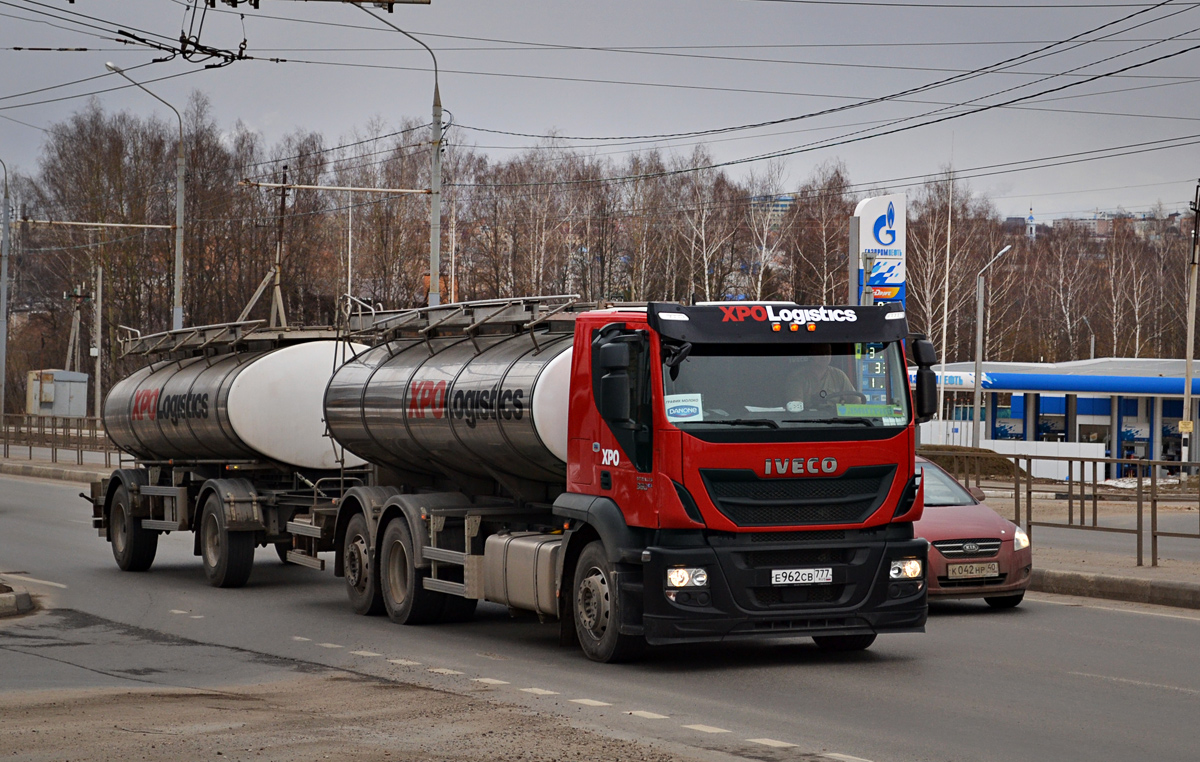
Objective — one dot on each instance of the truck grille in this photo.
(767, 597)
(778, 559)
(956, 549)
(750, 501)
(823, 535)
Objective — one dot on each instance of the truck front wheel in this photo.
(401, 583)
(597, 608)
(228, 556)
(362, 579)
(132, 546)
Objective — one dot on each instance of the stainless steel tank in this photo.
(447, 406)
(244, 405)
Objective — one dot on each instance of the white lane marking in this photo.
(1083, 605)
(771, 742)
(648, 715)
(443, 671)
(706, 728)
(846, 758)
(365, 653)
(1140, 683)
(539, 691)
(34, 581)
(490, 681)
(589, 702)
(329, 645)
(404, 662)
(178, 611)
(196, 616)
(302, 640)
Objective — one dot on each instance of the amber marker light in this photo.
(812, 326)
(774, 326)
(795, 327)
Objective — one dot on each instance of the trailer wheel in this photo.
(401, 583)
(228, 556)
(132, 546)
(281, 550)
(844, 642)
(598, 610)
(362, 577)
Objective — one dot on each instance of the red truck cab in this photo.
(750, 470)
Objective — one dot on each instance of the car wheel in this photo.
(844, 642)
(1005, 601)
(597, 609)
(132, 546)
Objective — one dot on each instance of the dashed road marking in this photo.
(404, 662)
(196, 616)
(490, 681)
(590, 702)
(365, 653)
(771, 742)
(1139, 683)
(443, 671)
(178, 611)
(847, 758)
(329, 645)
(303, 640)
(706, 728)
(539, 691)
(648, 715)
(35, 581)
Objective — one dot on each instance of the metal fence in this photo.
(1083, 491)
(25, 435)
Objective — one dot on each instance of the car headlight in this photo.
(907, 568)
(1020, 539)
(682, 577)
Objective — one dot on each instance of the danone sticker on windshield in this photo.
(684, 407)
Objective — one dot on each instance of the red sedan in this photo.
(974, 553)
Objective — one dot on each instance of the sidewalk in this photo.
(1067, 562)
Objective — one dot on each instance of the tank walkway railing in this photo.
(36, 436)
(1146, 485)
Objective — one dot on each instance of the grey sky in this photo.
(813, 58)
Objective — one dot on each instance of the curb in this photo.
(1159, 592)
(15, 602)
(59, 473)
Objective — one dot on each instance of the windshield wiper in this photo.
(742, 422)
(863, 421)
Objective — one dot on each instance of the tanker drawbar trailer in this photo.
(642, 474)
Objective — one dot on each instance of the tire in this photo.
(227, 556)
(843, 643)
(281, 550)
(362, 576)
(402, 585)
(132, 546)
(597, 610)
(1005, 601)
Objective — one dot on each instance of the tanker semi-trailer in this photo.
(657, 474)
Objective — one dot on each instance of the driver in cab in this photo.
(815, 383)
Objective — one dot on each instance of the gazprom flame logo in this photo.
(886, 226)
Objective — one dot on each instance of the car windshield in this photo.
(786, 386)
(941, 489)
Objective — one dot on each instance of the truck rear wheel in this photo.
(844, 642)
(228, 556)
(132, 546)
(362, 576)
(597, 610)
(401, 583)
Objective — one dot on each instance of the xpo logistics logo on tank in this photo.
(882, 234)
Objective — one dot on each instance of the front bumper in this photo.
(739, 600)
(1016, 571)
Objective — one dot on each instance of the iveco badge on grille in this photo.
(799, 466)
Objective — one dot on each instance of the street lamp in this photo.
(979, 345)
(5, 221)
(180, 166)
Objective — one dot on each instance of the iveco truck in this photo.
(649, 474)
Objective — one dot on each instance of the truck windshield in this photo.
(787, 386)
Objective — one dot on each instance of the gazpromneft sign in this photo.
(766, 313)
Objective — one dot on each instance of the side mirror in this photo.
(926, 396)
(977, 493)
(924, 353)
(613, 403)
(614, 356)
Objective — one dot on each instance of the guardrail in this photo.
(1085, 489)
(33, 432)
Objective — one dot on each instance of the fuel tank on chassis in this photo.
(447, 405)
(243, 405)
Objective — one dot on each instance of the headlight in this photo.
(680, 577)
(908, 568)
(1020, 539)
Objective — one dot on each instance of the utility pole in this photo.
(97, 347)
(4, 243)
(978, 397)
(435, 202)
(1188, 424)
(278, 317)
